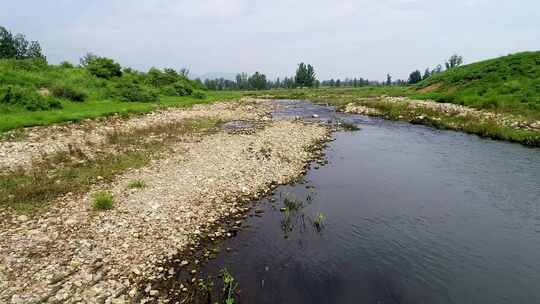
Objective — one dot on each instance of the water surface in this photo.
(411, 215)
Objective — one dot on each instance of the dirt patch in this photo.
(430, 88)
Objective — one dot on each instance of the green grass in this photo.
(102, 200)
(74, 94)
(137, 184)
(509, 84)
(73, 112)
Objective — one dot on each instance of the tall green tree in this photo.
(454, 62)
(7, 44)
(388, 79)
(305, 75)
(427, 73)
(257, 81)
(415, 77)
(17, 47)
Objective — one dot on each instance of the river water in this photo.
(400, 214)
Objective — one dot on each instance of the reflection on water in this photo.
(410, 215)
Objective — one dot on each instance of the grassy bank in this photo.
(509, 84)
(409, 110)
(72, 111)
(33, 92)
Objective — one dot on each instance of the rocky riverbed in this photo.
(71, 253)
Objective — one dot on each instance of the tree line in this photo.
(17, 47)
(305, 77)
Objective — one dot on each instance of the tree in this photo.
(388, 79)
(86, 59)
(17, 47)
(242, 81)
(7, 44)
(34, 51)
(415, 77)
(257, 81)
(427, 73)
(184, 72)
(21, 46)
(305, 75)
(454, 62)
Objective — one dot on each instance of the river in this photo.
(400, 214)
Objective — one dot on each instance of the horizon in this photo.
(342, 40)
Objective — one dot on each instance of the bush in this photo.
(199, 94)
(129, 91)
(178, 88)
(68, 92)
(104, 68)
(137, 184)
(27, 98)
(102, 201)
(30, 65)
(66, 65)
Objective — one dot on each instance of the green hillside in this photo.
(510, 84)
(33, 92)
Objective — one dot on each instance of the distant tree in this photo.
(21, 46)
(427, 73)
(388, 79)
(305, 75)
(184, 72)
(34, 51)
(242, 82)
(438, 69)
(17, 47)
(86, 59)
(7, 44)
(454, 62)
(257, 81)
(66, 64)
(338, 83)
(415, 77)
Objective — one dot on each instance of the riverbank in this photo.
(67, 251)
(498, 126)
(398, 103)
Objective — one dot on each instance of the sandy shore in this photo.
(74, 254)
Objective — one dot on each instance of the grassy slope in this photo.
(33, 77)
(508, 84)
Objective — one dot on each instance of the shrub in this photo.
(137, 184)
(66, 64)
(199, 94)
(129, 91)
(102, 200)
(104, 68)
(30, 99)
(68, 92)
(30, 65)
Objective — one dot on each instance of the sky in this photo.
(340, 38)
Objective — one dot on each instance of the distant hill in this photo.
(510, 83)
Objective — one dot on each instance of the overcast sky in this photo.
(341, 38)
